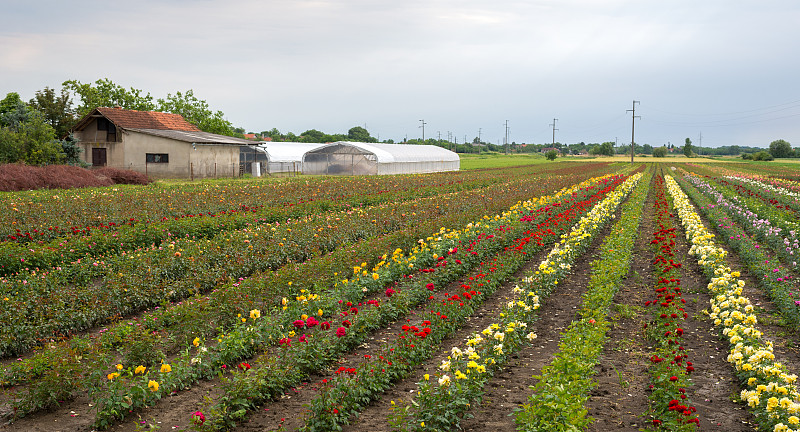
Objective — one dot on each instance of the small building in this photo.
(160, 145)
(547, 149)
(356, 158)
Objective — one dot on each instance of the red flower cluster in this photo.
(665, 328)
(344, 370)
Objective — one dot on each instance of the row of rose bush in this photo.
(246, 392)
(60, 370)
(44, 215)
(779, 196)
(769, 389)
(670, 368)
(36, 309)
(350, 291)
(130, 234)
(442, 399)
(765, 202)
(560, 394)
(762, 223)
(775, 279)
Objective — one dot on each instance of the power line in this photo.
(734, 112)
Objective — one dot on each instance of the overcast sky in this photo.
(729, 70)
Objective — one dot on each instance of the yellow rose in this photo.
(152, 385)
(166, 368)
(140, 369)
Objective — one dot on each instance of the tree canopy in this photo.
(25, 135)
(105, 93)
(781, 149)
(687, 148)
(197, 112)
(56, 108)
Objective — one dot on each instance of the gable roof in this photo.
(196, 137)
(132, 119)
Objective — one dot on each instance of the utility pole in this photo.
(423, 130)
(633, 122)
(479, 135)
(554, 131)
(507, 137)
(700, 142)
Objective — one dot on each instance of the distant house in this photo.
(161, 145)
(547, 149)
(251, 136)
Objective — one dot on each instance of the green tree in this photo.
(551, 155)
(104, 93)
(196, 112)
(10, 102)
(313, 136)
(606, 149)
(26, 137)
(781, 149)
(660, 152)
(687, 148)
(762, 156)
(359, 134)
(57, 109)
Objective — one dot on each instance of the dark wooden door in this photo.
(98, 157)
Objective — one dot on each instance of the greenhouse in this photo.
(275, 158)
(355, 158)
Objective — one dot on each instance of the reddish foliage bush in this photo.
(121, 176)
(18, 177)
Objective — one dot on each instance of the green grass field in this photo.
(497, 160)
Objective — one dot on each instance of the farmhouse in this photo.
(161, 145)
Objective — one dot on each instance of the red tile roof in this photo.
(132, 119)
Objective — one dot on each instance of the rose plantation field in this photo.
(569, 296)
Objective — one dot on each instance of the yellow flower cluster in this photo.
(526, 301)
(770, 387)
(563, 254)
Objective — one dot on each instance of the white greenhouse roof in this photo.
(288, 151)
(389, 153)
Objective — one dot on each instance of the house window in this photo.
(111, 131)
(157, 158)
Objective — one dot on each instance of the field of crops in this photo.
(548, 297)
